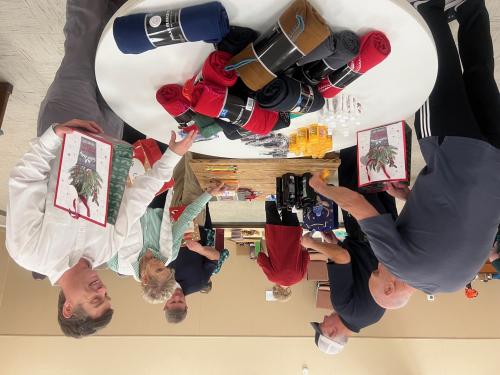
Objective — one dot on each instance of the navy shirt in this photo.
(350, 295)
(192, 270)
(444, 233)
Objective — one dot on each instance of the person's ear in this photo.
(67, 310)
(389, 288)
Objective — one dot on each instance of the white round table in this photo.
(391, 91)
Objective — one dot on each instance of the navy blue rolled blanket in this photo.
(138, 33)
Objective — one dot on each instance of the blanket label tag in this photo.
(164, 28)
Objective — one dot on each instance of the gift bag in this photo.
(146, 152)
(120, 166)
(384, 155)
(322, 216)
(92, 176)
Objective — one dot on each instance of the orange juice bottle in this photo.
(292, 144)
(302, 139)
(314, 134)
(322, 133)
(329, 143)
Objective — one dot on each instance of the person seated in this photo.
(286, 261)
(350, 265)
(161, 242)
(193, 269)
(434, 245)
(194, 266)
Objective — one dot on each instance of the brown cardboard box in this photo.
(323, 298)
(317, 271)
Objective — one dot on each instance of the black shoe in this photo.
(450, 9)
(417, 3)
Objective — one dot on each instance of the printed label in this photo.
(164, 28)
(276, 51)
(185, 119)
(236, 110)
(305, 101)
(343, 77)
(316, 70)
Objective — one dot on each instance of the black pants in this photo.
(461, 104)
(348, 177)
(131, 135)
(287, 218)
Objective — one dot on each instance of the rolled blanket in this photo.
(233, 132)
(207, 126)
(325, 49)
(213, 72)
(138, 33)
(237, 39)
(288, 94)
(213, 69)
(216, 101)
(346, 48)
(283, 121)
(300, 29)
(171, 98)
(374, 49)
(208, 98)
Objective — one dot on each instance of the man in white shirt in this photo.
(47, 240)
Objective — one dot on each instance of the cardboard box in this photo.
(323, 300)
(317, 271)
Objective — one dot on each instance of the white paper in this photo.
(270, 296)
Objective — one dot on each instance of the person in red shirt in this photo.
(286, 262)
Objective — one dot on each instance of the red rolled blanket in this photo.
(208, 98)
(215, 101)
(170, 97)
(213, 69)
(374, 48)
(213, 72)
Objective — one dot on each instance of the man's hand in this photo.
(332, 250)
(181, 147)
(216, 187)
(68, 127)
(317, 183)
(329, 237)
(307, 241)
(398, 190)
(347, 199)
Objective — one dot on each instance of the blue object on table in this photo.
(207, 22)
(323, 216)
(138, 33)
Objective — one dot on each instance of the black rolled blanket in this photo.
(325, 49)
(237, 39)
(346, 49)
(289, 95)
